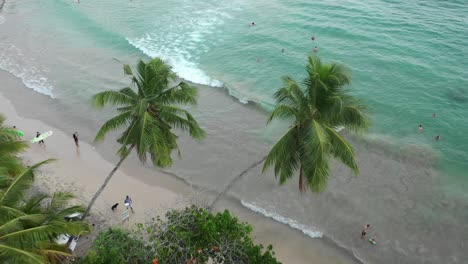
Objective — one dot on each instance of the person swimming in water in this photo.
(252, 24)
(420, 128)
(315, 49)
(282, 50)
(312, 38)
(437, 137)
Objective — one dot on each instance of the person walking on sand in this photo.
(75, 137)
(364, 231)
(420, 128)
(128, 202)
(40, 141)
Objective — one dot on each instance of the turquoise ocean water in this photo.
(409, 59)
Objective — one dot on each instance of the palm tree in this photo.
(316, 109)
(29, 225)
(148, 115)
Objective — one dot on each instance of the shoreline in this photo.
(172, 188)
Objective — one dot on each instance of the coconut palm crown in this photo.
(147, 115)
(315, 109)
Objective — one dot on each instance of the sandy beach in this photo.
(82, 170)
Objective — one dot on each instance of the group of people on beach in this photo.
(420, 128)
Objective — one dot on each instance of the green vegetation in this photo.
(29, 224)
(191, 235)
(316, 109)
(148, 115)
(117, 246)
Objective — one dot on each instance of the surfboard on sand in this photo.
(41, 137)
(15, 132)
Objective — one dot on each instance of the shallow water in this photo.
(408, 61)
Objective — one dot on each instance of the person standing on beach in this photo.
(75, 137)
(364, 231)
(17, 135)
(128, 202)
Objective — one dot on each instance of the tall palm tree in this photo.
(29, 225)
(148, 115)
(316, 109)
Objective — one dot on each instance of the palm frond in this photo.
(16, 255)
(112, 98)
(315, 161)
(59, 201)
(285, 156)
(283, 112)
(17, 188)
(342, 150)
(113, 124)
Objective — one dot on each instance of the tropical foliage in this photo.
(147, 115)
(195, 235)
(29, 224)
(315, 109)
(9, 149)
(117, 246)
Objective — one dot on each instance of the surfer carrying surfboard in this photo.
(40, 141)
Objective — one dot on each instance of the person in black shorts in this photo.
(75, 137)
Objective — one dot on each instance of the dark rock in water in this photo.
(458, 95)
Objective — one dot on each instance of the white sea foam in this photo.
(179, 61)
(183, 42)
(282, 219)
(15, 62)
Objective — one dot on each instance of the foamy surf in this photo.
(282, 219)
(13, 61)
(184, 68)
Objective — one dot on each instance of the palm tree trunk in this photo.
(221, 194)
(301, 179)
(106, 181)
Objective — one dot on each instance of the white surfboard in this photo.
(41, 137)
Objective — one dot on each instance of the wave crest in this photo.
(13, 61)
(282, 219)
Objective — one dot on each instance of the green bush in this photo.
(194, 235)
(117, 246)
(188, 236)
